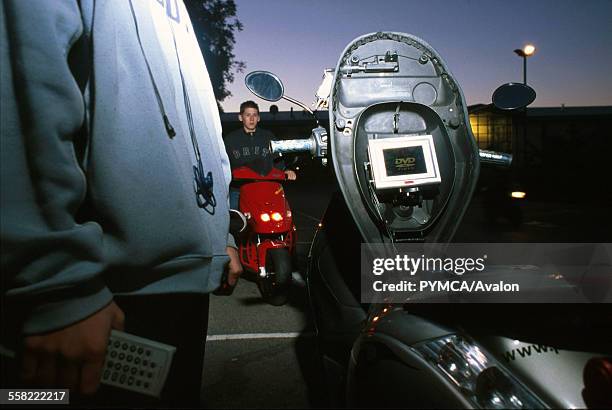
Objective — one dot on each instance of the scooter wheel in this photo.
(275, 288)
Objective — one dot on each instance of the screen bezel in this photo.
(377, 161)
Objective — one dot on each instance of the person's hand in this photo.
(291, 175)
(71, 358)
(234, 267)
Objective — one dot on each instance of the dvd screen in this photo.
(404, 161)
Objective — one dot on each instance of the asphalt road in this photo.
(261, 356)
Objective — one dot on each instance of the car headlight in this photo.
(477, 375)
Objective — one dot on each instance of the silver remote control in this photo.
(132, 363)
(137, 364)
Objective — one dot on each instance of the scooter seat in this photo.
(395, 86)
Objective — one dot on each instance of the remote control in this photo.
(132, 363)
(137, 364)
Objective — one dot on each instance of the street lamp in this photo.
(525, 52)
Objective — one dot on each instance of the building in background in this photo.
(564, 153)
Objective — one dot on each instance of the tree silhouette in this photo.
(214, 23)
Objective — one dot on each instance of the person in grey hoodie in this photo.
(114, 188)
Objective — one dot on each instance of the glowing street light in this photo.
(529, 49)
(525, 52)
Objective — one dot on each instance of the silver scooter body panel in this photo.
(553, 374)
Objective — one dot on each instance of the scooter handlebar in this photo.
(291, 146)
(245, 173)
(316, 145)
(495, 158)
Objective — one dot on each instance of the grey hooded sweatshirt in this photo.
(97, 198)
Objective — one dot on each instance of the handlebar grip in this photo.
(495, 158)
(316, 145)
(291, 146)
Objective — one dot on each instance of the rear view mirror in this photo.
(513, 96)
(265, 85)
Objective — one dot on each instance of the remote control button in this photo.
(106, 374)
(145, 362)
(113, 354)
(134, 370)
(125, 346)
(110, 363)
(137, 360)
(122, 379)
(129, 358)
(117, 344)
(140, 350)
(132, 348)
(121, 356)
(150, 375)
(126, 368)
(130, 381)
(142, 372)
(114, 376)
(138, 383)
(146, 385)
(152, 365)
(117, 366)
(148, 353)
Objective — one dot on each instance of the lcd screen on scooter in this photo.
(403, 161)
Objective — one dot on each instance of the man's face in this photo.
(249, 119)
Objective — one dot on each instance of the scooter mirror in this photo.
(265, 85)
(513, 96)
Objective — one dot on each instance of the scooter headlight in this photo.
(477, 375)
(264, 217)
(277, 217)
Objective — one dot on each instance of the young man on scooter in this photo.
(250, 146)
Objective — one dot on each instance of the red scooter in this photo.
(267, 243)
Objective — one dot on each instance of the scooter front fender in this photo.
(264, 247)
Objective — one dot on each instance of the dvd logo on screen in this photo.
(406, 163)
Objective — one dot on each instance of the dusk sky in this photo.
(572, 64)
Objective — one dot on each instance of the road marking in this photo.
(255, 336)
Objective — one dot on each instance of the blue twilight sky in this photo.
(297, 39)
